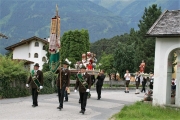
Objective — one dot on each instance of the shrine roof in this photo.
(168, 24)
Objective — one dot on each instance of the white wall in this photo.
(21, 52)
(40, 51)
(162, 69)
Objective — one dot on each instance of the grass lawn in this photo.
(144, 111)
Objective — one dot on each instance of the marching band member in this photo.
(84, 83)
(36, 74)
(63, 82)
(99, 83)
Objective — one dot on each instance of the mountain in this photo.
(21, 19)
(132, 10)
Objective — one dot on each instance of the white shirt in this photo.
(127, 77)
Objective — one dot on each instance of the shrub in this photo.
(13, 77)
(49, 86)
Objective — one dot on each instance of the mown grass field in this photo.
(144, 111)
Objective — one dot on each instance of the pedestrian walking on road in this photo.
(144, 84)
(99, 83)
(127, 77)
(137, 80)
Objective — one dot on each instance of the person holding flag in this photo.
(63, 82)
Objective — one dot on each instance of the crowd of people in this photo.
(140, 79)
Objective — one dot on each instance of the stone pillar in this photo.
(177, 97)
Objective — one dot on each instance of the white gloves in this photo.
(41, 87)
(87, 90)
(75, 90)
(27, 85)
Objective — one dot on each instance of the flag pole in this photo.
(58, 35)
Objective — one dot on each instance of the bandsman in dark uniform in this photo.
(63, 82)
(99, 83)
(38, 75)
(84, 83)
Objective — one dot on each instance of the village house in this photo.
(31, 50)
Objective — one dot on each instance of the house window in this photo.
(36, 55)
(29, 55)
(36, 44)
(44, 47)
(44, 59)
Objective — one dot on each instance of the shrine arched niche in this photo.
(173, 71)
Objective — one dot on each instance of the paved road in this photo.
(112, 101)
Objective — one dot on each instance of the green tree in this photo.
(106, 63)
(124, 58)
(74, 44)
(149, 17)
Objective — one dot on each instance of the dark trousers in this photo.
(83, 98)
(34, 96)
(137, 84)
(143, 87)
(66, 95)
(98, 90)
(151, 86)
(61, 96)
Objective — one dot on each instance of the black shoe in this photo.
(59, 107)
(34, 105)
(98, 99)
(80, 111)
(125, 91)
(66, 101)
(83, 112)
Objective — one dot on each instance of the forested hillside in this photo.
(23, 19)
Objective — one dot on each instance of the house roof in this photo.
(168, 24)
(25, 42)
(25, 61)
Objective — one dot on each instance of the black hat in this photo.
(36, 65)
(83, 67)
(66, 63)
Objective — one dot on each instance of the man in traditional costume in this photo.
(99, 83)
(84, 83)
(63, 82)
(36, 80)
